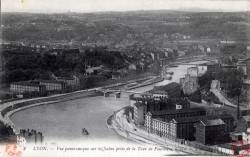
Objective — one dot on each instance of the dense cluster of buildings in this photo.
(166, 111)
(44, 87)
(176, 119)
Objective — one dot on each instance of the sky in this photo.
(55, 6)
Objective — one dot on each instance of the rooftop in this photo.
(166, 112)
(51, 81)
(187, 119)
(167, 87)
(28, 83)
(198, 118)
(159, 92)
(212, 122)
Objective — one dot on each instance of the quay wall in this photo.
(9, 108)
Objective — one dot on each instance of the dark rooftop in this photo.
(212, 122)
(51, 81)
(198, 118)
(166, 112)
(168, 87)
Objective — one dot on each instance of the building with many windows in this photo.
(139, 113)
(210, 132)
(71, 82)
(183, 127)
(163, 122)
(157, 126)
(53, 85)
(173, 90)
(28, 87)
(167, 115)
(193, 71)
(212, 68)
(189, 84)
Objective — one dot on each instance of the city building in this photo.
(53, 85)
(163, 103)
(183, 128)
(189, 84)
(71, 82)
(227, 119)
(172, 89)
(139, 113)
(160, 94)
(147, 103)
(183, 103)
(157, 103)
(212, 68)
(93, 70)
(208, 50)
(157, 126)
(210, 132)
(167, 115)
(193, 71)
(30, 87)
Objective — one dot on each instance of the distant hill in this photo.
(124, 27)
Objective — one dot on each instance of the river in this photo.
(64, 120)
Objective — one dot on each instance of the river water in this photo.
(64, 120)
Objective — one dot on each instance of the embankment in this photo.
(7, 109)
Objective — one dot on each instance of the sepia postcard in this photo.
(130, 78)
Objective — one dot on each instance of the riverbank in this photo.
(77, 113)
(9, 108)
(119, 123)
